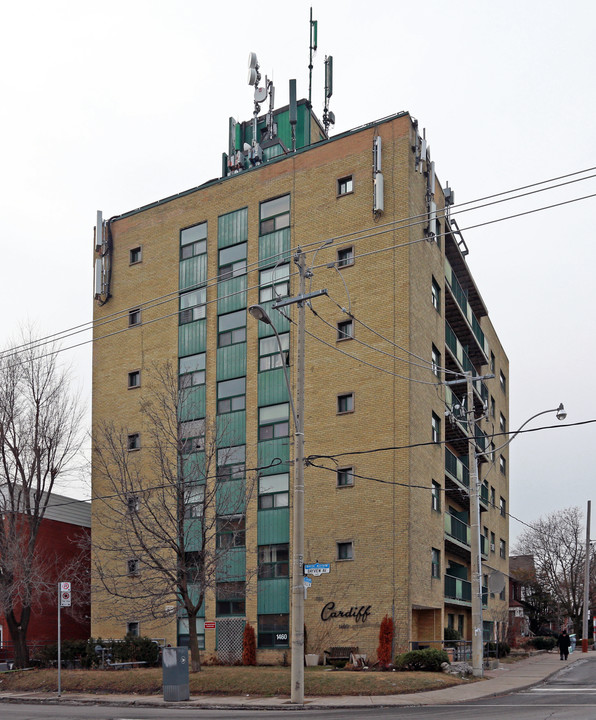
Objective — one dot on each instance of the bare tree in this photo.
(170, 519)
(40, 438)
(557, 543)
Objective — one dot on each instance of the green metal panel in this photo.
(192, 338)
(231, 295)
(232, 228)
(192, 403)
(274, 247)
(194, 592)
(282, 325)
(273, 526)
(192, 534)
(193, 271)
(193, 468)
(274, 450)
(231, 497)
(231, 429)
(272, 387)
(231, 361)
(273, 596)
(231, 566)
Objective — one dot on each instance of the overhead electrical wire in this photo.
(363, 234)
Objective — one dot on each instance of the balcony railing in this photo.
(463, 359)
(462, 301)
(458, 589)
(456, 468)
(457, 529)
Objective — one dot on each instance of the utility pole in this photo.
(586, 581)
(477, 626)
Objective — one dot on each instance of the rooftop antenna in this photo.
(328, 116)
(313, 26)
(254, 78)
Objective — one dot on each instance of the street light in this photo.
(477, 623)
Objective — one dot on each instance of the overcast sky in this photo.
(113, 105)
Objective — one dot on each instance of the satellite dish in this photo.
(252, 76)
(260, 94)
(496, 582)
(252, 60)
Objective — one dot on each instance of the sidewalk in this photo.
(507, 679)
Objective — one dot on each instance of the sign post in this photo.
(64, 600)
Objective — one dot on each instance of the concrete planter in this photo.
(311, 659)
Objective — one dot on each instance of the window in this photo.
(134, 379)
(492, 406)
(134, 317)
(345, 477)
(184, 632)
(274, 491)
(192, 436)
(435, 563)
(133, 441)
(132, 628)
(274, 421)
(493, 496)
(230, 462)
(191, 371)
(232, 261)
(274, 282)
(436, 496)
(274, 561)
(269, 356)
(231, 395)
(491, 452)
(492, 362)
(345, 330)
(192, 305)
(436, 295)
(345, 256)
(193, 241)
(231, 598)
(435, 428)
(132, 567)
(460, 625)
(133, 504)
(345, 550)
(450, 620)
(231, 531)
(502, 594)
(232, 328)
(503, 465)
(503, 507)
(274, 630)
(135, 255)
(436, 361)
(345, 185)
(492, 542)
(274, 215)
(502, 423)
(502, 381)
(345, 403)
(502, 548)
(194, 499)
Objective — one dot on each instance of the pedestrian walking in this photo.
(563, 643)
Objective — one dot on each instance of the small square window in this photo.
(503, 507)
(345, 550)
(503, 381)
(345, 477)
(345, 330)
(133, 442)
(345, 256)
(134, 317)
(132, 504)
(135, 255)
(132, 567)
(436, 496)
(503, 465)
(345, 403)
(132, 628)
(134, 379)
(436, 563)
(345, 185)
(436, 295)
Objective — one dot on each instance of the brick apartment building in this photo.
(402, 315)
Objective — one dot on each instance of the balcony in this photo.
(457, 470)
(461, 300)
(457, 531)
(464, 361)
(460, 591)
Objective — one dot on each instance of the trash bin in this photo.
(174, 661)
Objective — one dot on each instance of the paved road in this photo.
(569, 695)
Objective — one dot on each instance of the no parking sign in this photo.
(65, 594)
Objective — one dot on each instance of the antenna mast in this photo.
(312, 49)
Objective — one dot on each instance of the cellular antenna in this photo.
(328, 116)
(313, 26)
